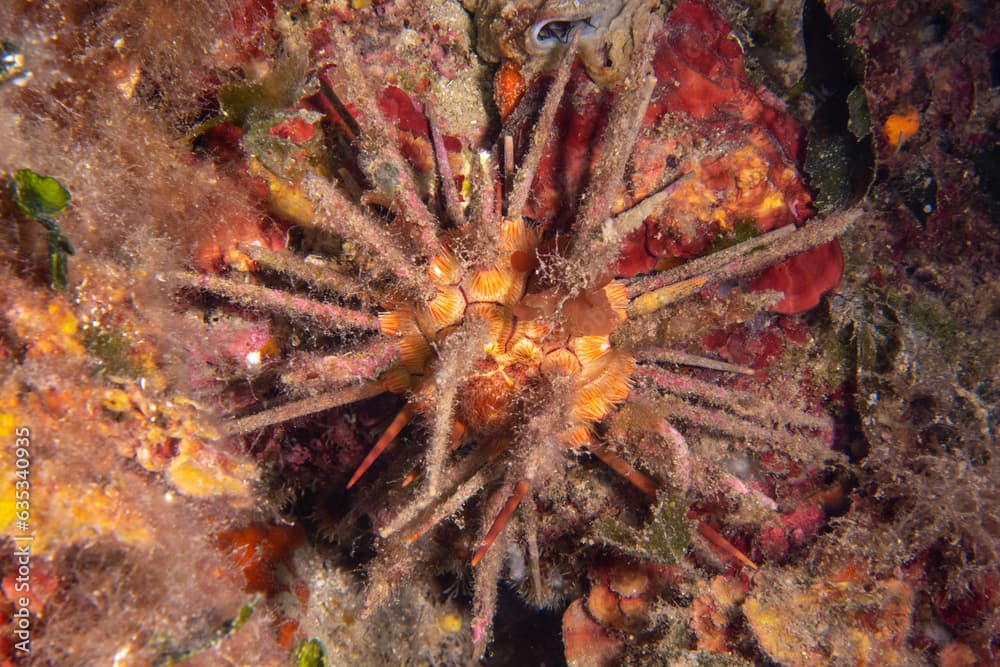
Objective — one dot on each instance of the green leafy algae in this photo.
(39, 198)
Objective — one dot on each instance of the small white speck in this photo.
(121, 656)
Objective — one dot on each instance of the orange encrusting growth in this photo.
(900, 126)
(508, 87)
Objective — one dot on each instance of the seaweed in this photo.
(39, 198)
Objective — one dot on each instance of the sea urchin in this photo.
(515, 344)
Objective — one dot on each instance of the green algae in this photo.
(664, 539)
(39, 198)
(310, 653)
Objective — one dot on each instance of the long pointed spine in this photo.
(306, 406)
(525, 175)
(326, 315)
(452, 205)
(752, 255)
(616, 148)
(291, 265)
(338, 214)
(395, 427)
(312, 373)
(376, 134)
(502, 520)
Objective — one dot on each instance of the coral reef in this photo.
(414, 331)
